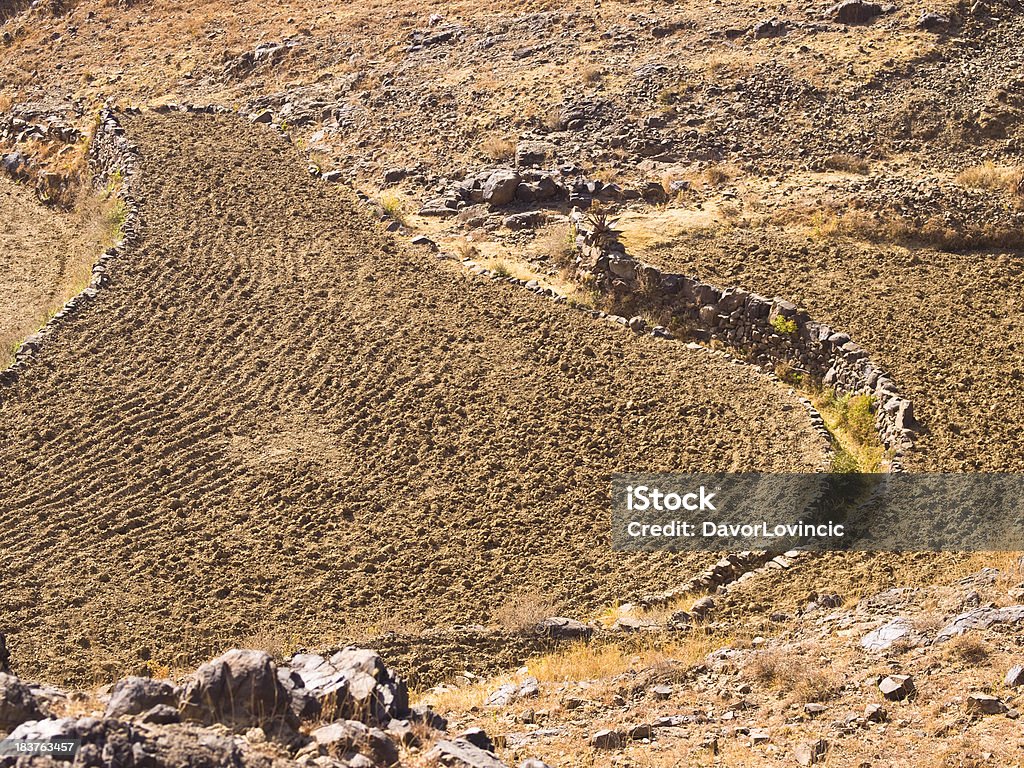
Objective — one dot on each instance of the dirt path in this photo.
(280, 423)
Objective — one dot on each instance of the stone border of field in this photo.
(765, 331)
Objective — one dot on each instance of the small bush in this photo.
(967, 648)
(783, 325)
(393, 206)
(591, 73)
(501, 269)
(523, 611)
(989, 176)
(790, 670)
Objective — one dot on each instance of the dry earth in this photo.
(44, 258)
(279, 419)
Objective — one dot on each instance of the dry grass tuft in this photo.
(791, 670)
(988, 175)
(498, 149)
(848, 163)
(967, 648)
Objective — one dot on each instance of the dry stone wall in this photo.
(767, 331)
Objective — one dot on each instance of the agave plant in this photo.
(602, 226)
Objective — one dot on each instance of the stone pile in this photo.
(356, 709)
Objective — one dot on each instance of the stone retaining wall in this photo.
(113, 159)
(756, 326)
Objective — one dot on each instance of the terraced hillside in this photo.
(279, 419)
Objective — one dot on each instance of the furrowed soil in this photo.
(279, 417)
(948, 325)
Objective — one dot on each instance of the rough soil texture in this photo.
(948, 325)
(278, 417)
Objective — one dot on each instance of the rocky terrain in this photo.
(332, 326)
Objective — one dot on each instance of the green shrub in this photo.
(782, 325)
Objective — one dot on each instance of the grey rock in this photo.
(263, 117)
(461, 754)
(985, 704)
(897, 687)
(533, 762)
(641, 732)
(882, 639)
(855, 11)
(981, 618)
(343, 738)
(770, 28)
(240, 689)
(526, 220)
(354, 684)
(933, 22)
(875, 713)
(17, 704)
(162, 714)
(662, 692)
(502, 697)
(332, 176)
(135, 695)
(534, 153)
(478, 738)
(811, 752)
(637, 324)
(606, 739)
(500, 188)
(1014, 677)
(561, 628)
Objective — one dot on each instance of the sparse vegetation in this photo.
(783, 325)
(498, 149)
(394, 206)
(990, 176)
(848, 163)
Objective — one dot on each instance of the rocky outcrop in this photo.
(240, 689)
(17, 704)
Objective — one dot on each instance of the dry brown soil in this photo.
(44, 257)
(280, 417)
(949, 326)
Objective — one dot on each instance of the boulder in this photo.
(770, 28)
(353, 684)
(240, 689)
(560, 628)
(525, 220)
(108, 742)
(1014, 677)
(882, 639)
(478, 738)
(933, 22)
(811, 752)
(500, 188)
(897, 687)
(17, 704)
(855, 11)
(461, 754)
(875, 713)
(135, 695)
(346, 738)
(606, 739)
(985, 704)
